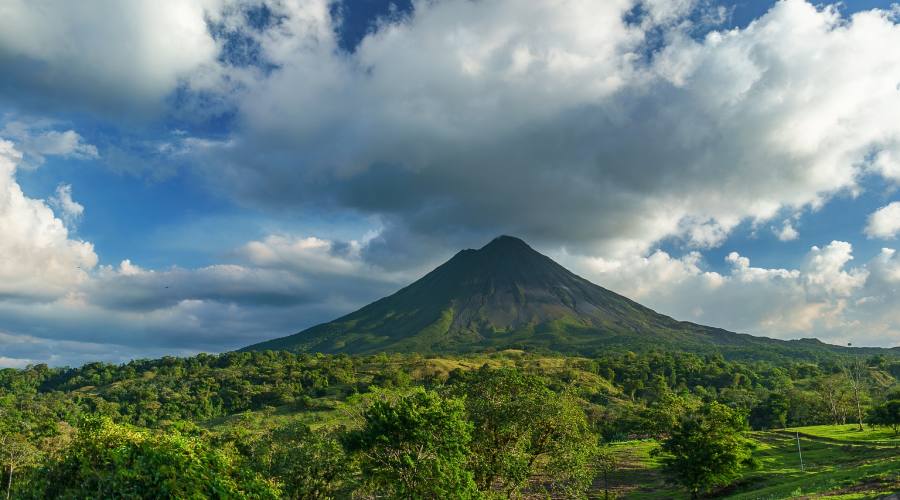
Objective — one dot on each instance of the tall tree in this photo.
(833, 391)
(607, 463)
(857, 375)
(707, 448)
(523, 429)
(887, 413)
(16, 453)
(307, 464)
(416, 447)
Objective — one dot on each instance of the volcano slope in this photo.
(507, 295)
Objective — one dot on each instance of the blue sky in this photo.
(208, 175)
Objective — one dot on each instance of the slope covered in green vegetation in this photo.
(259, 424)
(507, 295)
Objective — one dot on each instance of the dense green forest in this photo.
(507, 424)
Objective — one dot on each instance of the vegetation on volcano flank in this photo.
(506, 295)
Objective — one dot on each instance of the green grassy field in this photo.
(851, 433)
(838, 463)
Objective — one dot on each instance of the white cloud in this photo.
(466, 115)
(104, 54)
(786, 232)
(138, 311)
(316, 256)
(36, 140)
(304, 254)
(57, 306)
(884, 222)
(825, 274)
(70, 210)
(824, 298)
(554, 121)
(38, 259)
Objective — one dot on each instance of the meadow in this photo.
(839, 462)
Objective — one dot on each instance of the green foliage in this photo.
(416, 447)
(665, 414)
(274, 419)
(886, 414)
(107, 460)
(523, 429)
(772, 412)
(607, 464)
(305, 463)
(707, 448)
(16, 454)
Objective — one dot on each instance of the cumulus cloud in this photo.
(884, 222)
(304, 254)
(69, 209)
(178, 310)
(825, 274)
(786, 232)
(38, 259)
(463, 115)
(37, 140)
(826, 297)
(605, 127)
(58, 306)
(116, 57)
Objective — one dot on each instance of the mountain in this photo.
(507, 295)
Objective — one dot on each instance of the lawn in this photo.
(837, 464)
(851, 433)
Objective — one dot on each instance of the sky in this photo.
(195, 176)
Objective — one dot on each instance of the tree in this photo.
(523, 429)
(707, 448)
(833, 392)
(107, 460)
(607, 463)
(856, 374)
(886, 414)
(772, 412)
(16, 453)
(307, 464)
(661, 417)
(416, 447)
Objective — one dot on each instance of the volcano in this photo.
(506, 295)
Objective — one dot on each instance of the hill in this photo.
(507, 295)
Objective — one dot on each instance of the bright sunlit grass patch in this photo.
(850, 432)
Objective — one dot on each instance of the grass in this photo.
(837, 464)
(638, 474)
(850, 433)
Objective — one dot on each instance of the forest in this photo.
(508, 424)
